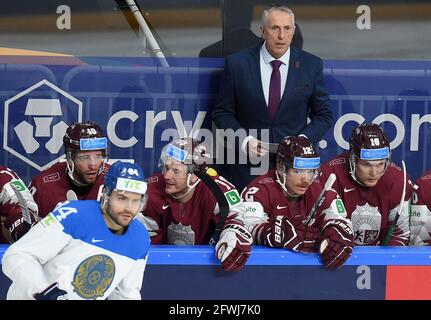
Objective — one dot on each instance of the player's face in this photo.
(370, 172)
(175, 174)
(278, 32)
(123, 206)
(87, 164)
(298, 180)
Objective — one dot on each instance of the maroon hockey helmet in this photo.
(188, 151)
(84, 136)
(368, 142)
(297, 152)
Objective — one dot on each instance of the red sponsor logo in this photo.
(51, 178)
(337, 161)
(393, 165)
(266, 180)
(152, 179)
(408, 283)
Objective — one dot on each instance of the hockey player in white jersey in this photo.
(85, 249)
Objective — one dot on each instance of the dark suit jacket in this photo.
(241, 102)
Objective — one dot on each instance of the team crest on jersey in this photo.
(180, 235)
(93, 276)
(366, 222)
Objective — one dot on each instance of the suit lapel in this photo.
(294, 65)
(255, 75)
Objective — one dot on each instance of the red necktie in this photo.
(274, 89)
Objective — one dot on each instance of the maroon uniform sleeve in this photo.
(258, 192)
(53, 186)
(49, 188)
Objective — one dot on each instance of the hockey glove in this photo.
(337, 244)
(53, 292)
(233, 247)
(20, 229)
(291, 233)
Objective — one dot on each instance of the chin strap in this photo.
(352, 165)
(190, 187)
(283, 185)
(71, 170)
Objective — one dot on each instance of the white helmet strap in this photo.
(190, 187)
(283, 184)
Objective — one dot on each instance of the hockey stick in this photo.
(222, 204)
(328, 185)
(24, 209)
(400, 210)
(155, 48)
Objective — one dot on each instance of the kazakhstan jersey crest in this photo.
(93, 276)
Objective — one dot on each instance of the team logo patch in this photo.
(181, 235)
(366, 222)
(93, 276)
(51, 177)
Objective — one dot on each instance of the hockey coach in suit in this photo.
(272, 86)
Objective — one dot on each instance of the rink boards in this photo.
(371, 273)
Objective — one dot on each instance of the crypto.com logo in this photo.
(35, 121)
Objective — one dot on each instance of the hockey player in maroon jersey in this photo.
(371, 187)
(420, 212)
(182, 210)
(288, 195)
(18, 210)
(80, 176)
